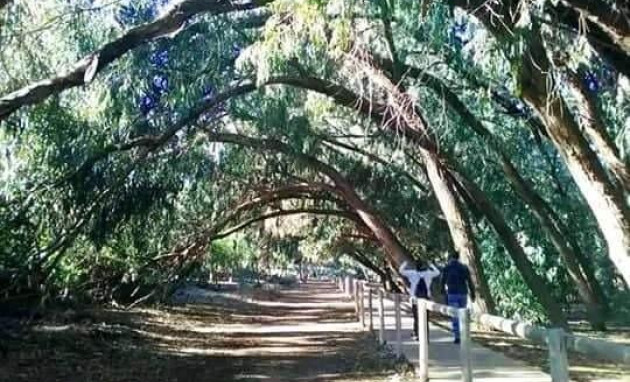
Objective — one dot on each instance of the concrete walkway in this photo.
(444, 362)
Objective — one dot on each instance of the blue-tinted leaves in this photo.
(460, 33)
(147, 103)
(608, 75)
(520, 108)
(159, 85)
(159, 59)
(592, 82)
(128, 14)
(214, 113)
(208, 92)
(460, 28)
(236, 51)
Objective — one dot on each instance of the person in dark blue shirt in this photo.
(456, 278)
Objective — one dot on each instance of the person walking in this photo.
(418, 281)
(456, 278)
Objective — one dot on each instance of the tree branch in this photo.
(376, 159)
(84, 71)
(317, 211)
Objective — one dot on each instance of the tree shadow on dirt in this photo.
(220, 341)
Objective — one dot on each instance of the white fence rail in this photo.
(557, 340)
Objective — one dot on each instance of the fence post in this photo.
(465, 344)
(362, 304)
(398, 325)
(355, 290)
(558, 363)
(348, 286)
(423, 339)
(371, 309)
(381, 315)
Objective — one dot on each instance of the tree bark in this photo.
(594, 128)
(604, 198)
(363, 260)
(536, 283)
(614, 23)
(597, 36)
(379, 113)
(411, 124)
(461, 232)
(577, 265)
(274, 214)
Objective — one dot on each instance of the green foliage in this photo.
(79, 222)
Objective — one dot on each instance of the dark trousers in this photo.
(414, 311)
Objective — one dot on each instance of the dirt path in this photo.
(303, 334)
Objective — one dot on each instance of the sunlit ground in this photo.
(296, 335)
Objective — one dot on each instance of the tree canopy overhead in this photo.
(144, 140)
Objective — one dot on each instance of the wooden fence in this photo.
(557, 340)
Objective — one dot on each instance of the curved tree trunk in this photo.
(460, 229)
(363, 260)
(85, 70)
(613, 22)
(536, 284)
(593, 127)
(343, 96)
(413, 126)
(601, 41)
(577, 265)
(604, 198)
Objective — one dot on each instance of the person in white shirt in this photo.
(419, 281)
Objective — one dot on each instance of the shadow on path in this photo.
(302, 334)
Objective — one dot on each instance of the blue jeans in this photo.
(456, 301)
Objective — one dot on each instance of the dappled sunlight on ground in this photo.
(304, 334)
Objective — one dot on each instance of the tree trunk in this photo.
(612, 21)
(536, 284)
(580, 272)
(460, 230)
(605, 200)
(84, 71)
(397, 253)
(538, 90)
(577, 265)
(593, 127)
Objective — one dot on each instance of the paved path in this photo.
(444, 363)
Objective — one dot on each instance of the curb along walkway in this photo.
(444, 356)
